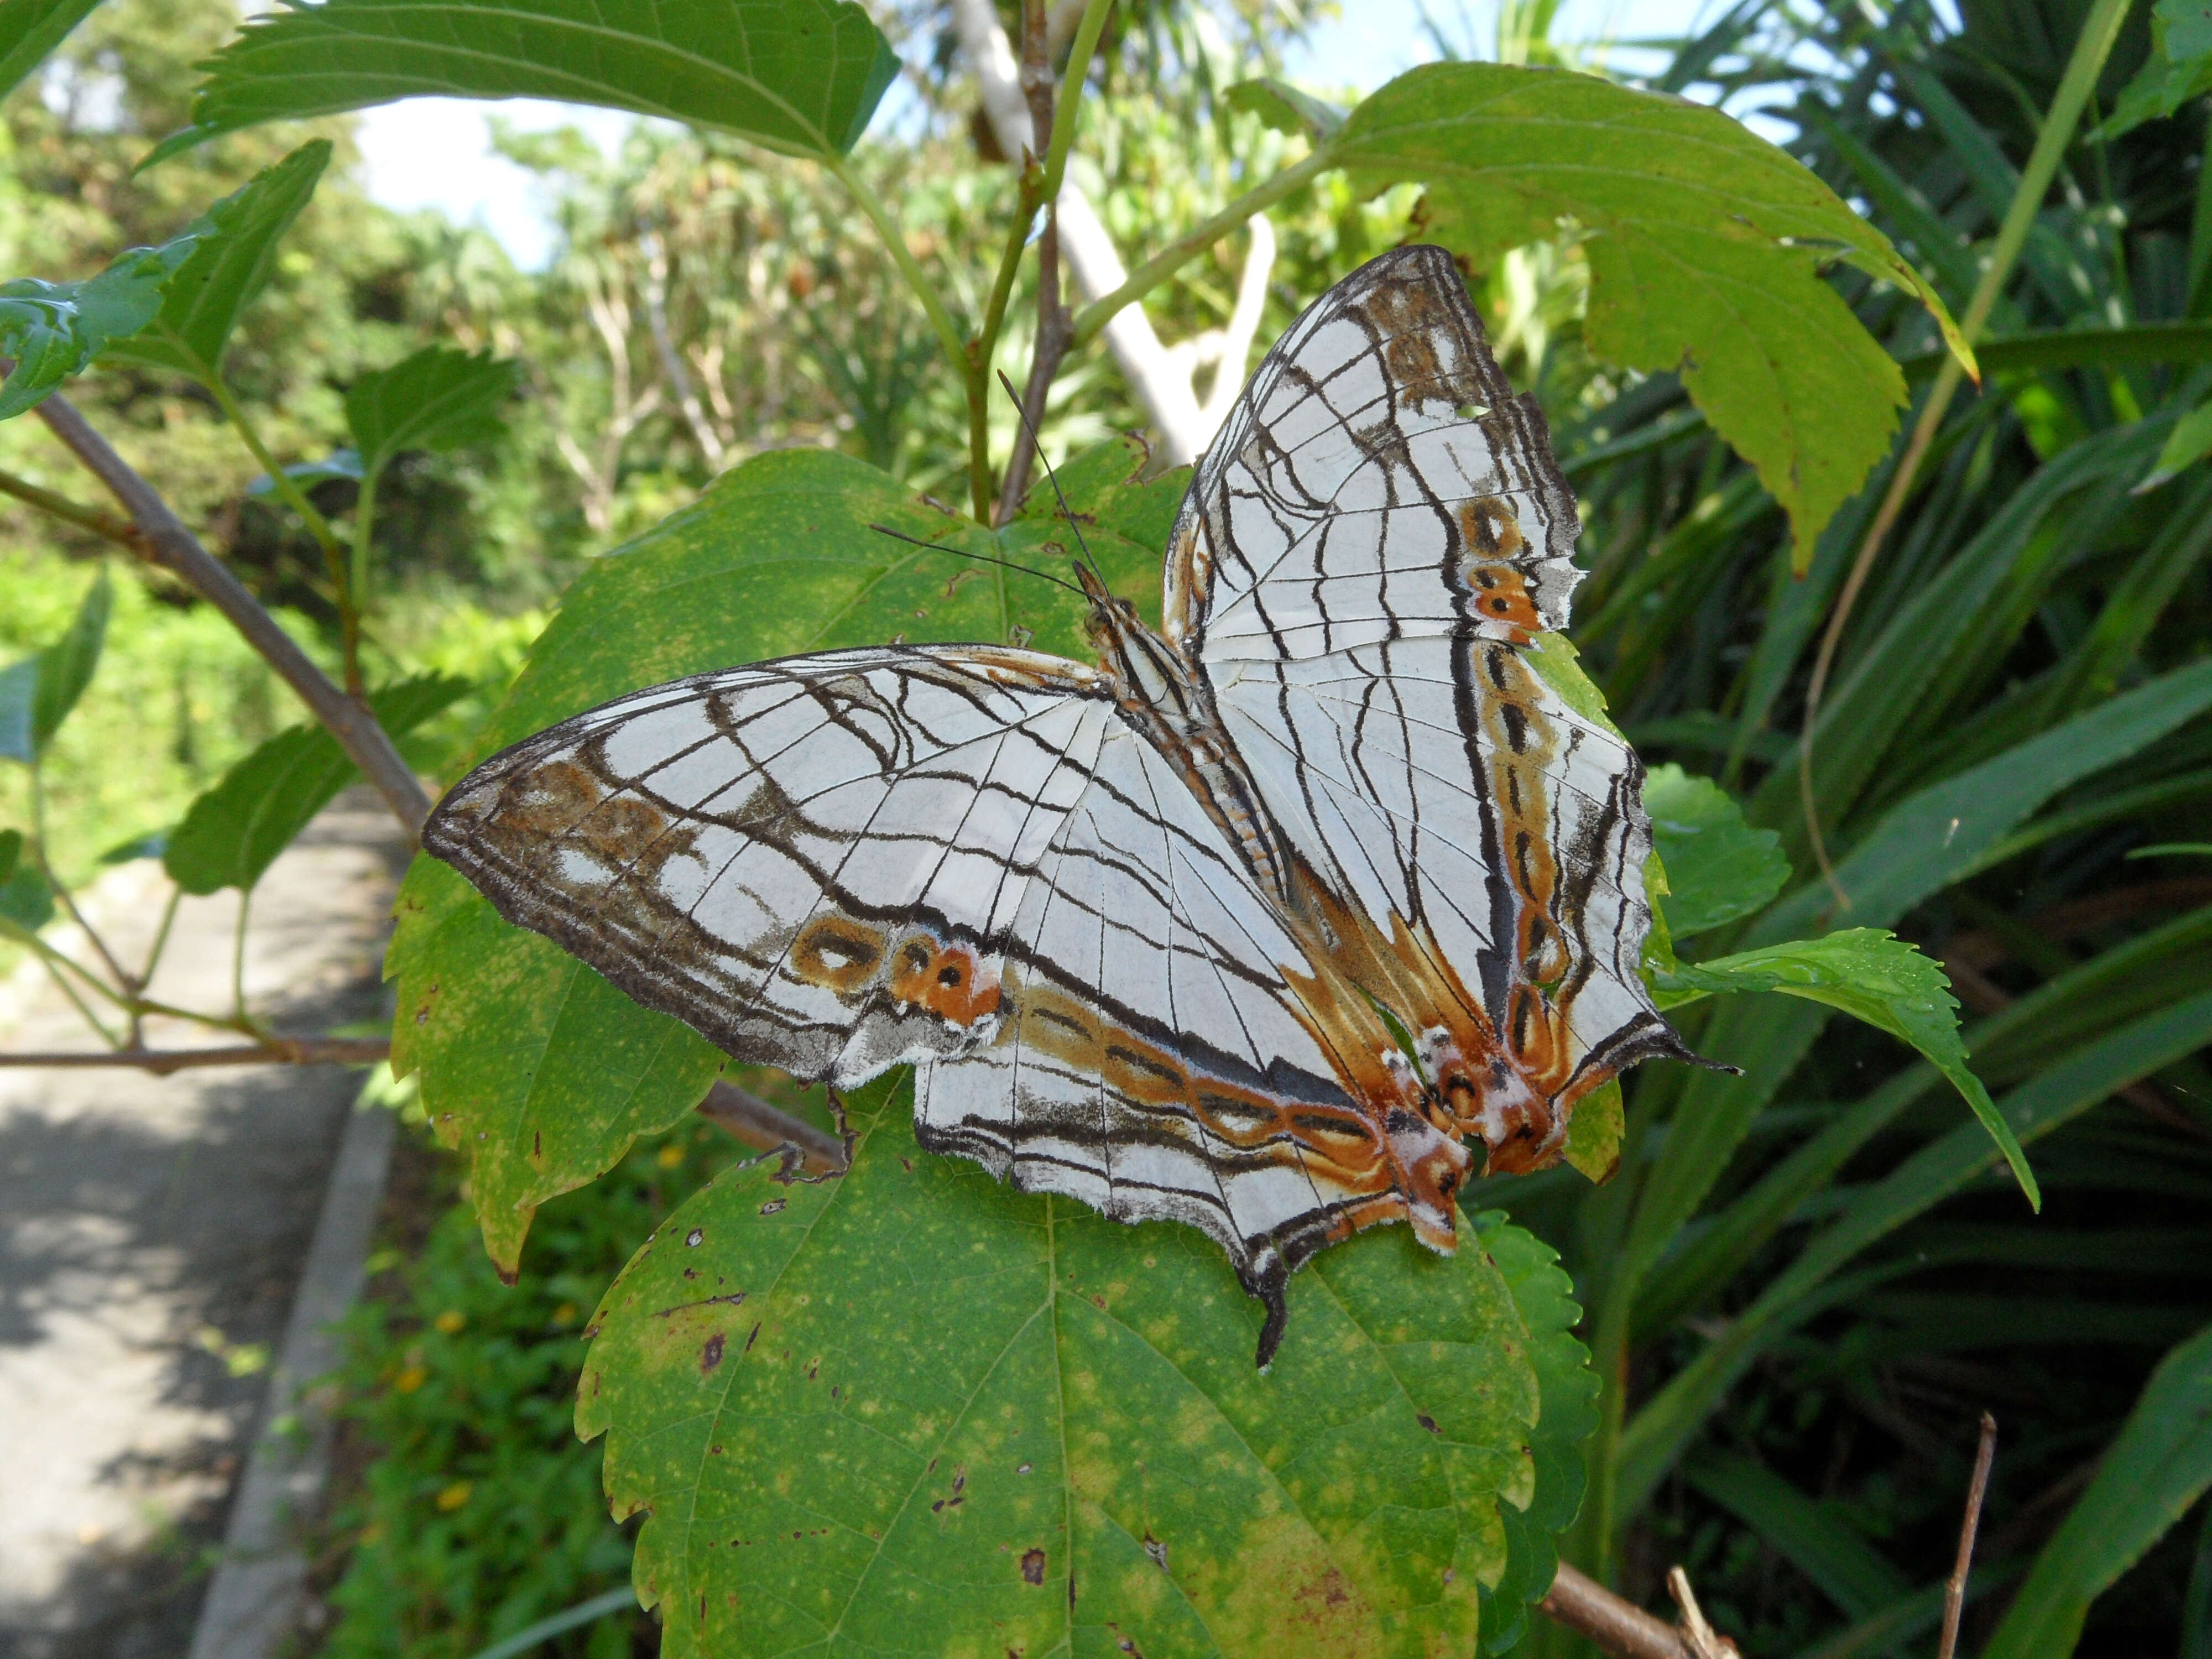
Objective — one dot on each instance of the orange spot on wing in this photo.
(945, 979)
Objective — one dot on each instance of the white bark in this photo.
(1159, 375)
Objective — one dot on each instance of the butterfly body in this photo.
(1254, 924)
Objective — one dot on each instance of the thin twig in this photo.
(1699, 1638)
(288, 1051)
(1618, 1626)
(176, 550)
(1055, 333)
(98, 519)
(751, 1120)
(1955, 1596)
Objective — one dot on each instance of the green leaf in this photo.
(1705, 246)
(537, 1068)
(2191, 442)
(1718, 868)
(1282, 107)
(1595, 1132)
(2178, 68)
(1559, 665)
(2079, 348)
(1943, 833)
(149, 846)
(37, 694)
(26, 901)
(11, 852)
(30, 30)
(232, 833)
(1106, 488)
(233, 257)
(2160, 1464)
(910, 1399)
(778, 556)
(1874, 977)
(439, 399)
(54, 330)
(799, 76)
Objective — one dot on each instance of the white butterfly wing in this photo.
(806, 860)
(1358, 568)
(1155, 1063)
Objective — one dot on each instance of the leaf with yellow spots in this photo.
(910, 1399)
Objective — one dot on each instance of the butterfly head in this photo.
(1112, 619)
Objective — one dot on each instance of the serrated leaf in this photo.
(1718, 868)
(778, 556)
(36, 693)
(912, 1400)
(54, 330)
(800, 76)
(1705, 243)
(533, 1066)
(1874, 977)
(232, 833)
(439, 399)
(30, 30)
(1107, 487)
(1282, 107)
(233, 257)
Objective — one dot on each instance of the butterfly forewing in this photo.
(1363, 557)
(804, 861)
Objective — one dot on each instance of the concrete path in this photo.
(152, 1231)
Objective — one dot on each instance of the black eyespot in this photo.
(949, 976)
(1501, 606)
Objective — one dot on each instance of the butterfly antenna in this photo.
(1037, 443)
(980, 558)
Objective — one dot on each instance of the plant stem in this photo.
(176, 550)
(318, 526)
(364, 520)
(976, 353)
(1054, 332)
(161, 934)
(294, 1051)
(123, 980)
(2090, 50)
(237, 957)
(1187, 246)
(1078, 72)
(99, 520)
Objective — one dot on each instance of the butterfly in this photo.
(1254, 924)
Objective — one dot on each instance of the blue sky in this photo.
(436, 152)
